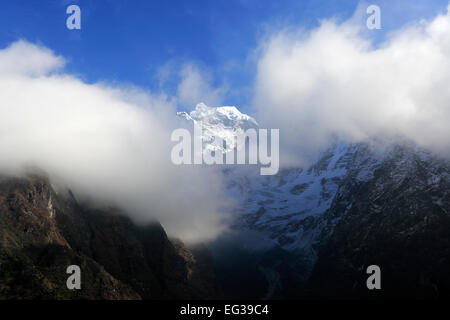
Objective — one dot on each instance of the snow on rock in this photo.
(225, 122)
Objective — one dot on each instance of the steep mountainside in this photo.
(288, 212)
(43, 231)
(312, 232)
(398, 220)
(388, 208)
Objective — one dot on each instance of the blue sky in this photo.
(129, 41)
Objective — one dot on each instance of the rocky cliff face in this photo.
(399, 220)
(43, 231)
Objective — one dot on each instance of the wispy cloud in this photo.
(195, 86)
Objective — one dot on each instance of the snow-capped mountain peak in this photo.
(228, 116)
(224, 122)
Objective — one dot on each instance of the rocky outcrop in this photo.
(42, 232)
(398, 220)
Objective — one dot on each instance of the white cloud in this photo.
(110, 145)
(195, 86)
(28, 59)
(334, 83)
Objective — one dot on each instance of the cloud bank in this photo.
(109, 145)
(334, 83)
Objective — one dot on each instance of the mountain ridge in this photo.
(44, 231)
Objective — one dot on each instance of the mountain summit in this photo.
(224, 122)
